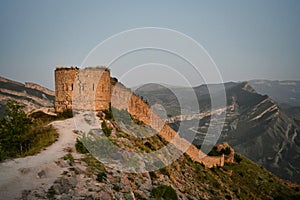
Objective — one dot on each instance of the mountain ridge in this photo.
(283, 92)
(31, 95)
(273, 136)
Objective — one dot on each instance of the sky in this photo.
(247, 40)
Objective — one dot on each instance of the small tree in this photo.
(164, 192)
(106, 130)
(14, 130)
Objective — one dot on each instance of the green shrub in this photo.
(139, 196)
(65, 114)
(106, 130)
(51, 193)
(21, 135)
(116, 187)
(152, 175)
(149, 145)
(101, 176)
(226, 151)
(70, 158)
(108, 113)
(215, 152)
(128, 196)
(164, 171)
(164, 192)
(80, 148)
(43, 117)
(93, 163)
(237, 158)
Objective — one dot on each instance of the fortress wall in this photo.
(213, 161)
(90, 89)
(227, 158)
(122, 98)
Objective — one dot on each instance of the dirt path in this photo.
(22, 173)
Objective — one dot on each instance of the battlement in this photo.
(58, 68)
(63, 68)
(97, 68)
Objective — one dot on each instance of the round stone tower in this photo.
(82, 89)
(64, 86)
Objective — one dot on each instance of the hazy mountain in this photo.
(31, 95)
(287, 92)
(259, 129)
(255, 125)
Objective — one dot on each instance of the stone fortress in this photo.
(83, 89)
(94, 89)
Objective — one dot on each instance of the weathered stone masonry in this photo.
(82, 89)
(91, 89)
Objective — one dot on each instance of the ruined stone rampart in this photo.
(122, 98)
(91, 89)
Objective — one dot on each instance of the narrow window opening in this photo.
(93, 87)
(72, 87)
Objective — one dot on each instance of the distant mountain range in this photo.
(283, 92)
(255, 125)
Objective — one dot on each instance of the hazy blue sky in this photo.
(246, 39)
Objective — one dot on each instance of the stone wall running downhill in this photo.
(123, 98)
(92, 89)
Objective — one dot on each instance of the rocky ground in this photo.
(39, 170)
(60, 172)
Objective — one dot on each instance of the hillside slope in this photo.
(263, 133)
(84, 177)
(31, 95)
(255, 125)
